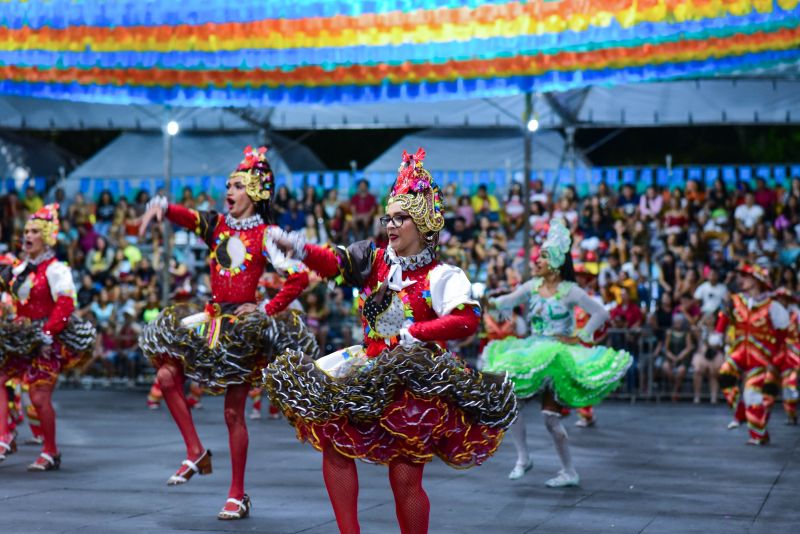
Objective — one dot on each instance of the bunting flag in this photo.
(252, 52)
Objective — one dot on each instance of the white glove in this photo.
(715, 339)
(407, 340)
(47, 339)
(158, 200)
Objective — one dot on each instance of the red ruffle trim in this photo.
(43, 371)
(411, 428)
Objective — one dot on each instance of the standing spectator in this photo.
(712, 293)
(364, 207)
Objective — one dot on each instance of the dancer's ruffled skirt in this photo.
(578, 376)
(406, 403)
(222, 350)
(24, 355)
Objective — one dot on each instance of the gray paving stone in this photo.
(645, 468)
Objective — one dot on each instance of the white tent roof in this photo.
(475, 150)
(135, 160)
(140, 154)
(746, 101)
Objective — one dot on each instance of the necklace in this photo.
(243, 224)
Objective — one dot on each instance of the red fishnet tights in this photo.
(42, 399)
(411, 502)
(171, 379)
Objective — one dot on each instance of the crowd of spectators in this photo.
(662, 261)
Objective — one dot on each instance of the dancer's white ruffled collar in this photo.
(398, 264)
(243, 224)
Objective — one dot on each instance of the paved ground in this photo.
(645, 468)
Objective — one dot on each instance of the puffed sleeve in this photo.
(598, 315)
(62, 289)
(450, 289)
(294, 272)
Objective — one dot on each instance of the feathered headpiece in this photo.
(256, 174)
(758, 272)
(46, 219)
(557, 244)
(417, 193)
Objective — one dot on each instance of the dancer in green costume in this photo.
(555, 360)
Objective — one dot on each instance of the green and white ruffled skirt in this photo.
(578, 375)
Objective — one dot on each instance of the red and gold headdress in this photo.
(46, 219)
(256, 174)
(418, 194)
(758, 272)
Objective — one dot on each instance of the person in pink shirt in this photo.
(364, 206)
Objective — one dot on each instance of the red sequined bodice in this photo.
(33, 297)
(415, 300)
(237, 263)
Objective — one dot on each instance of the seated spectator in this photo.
(87, 292)
(100, 260)
(677, 355)
(748, 215)
(102, 308)
(364, 206)
(712, 293)
(104, 212)
(485, 205)
(292, 219)
(688, 308)
(650, 204)
(32, 202)
(514, 209)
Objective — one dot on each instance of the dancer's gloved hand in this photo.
(47, 345)
(407, 340)
(715, 339)
(247, 307)
(156, 207)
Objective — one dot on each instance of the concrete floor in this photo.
(645, 468)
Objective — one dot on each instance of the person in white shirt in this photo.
(748, 215)
(712, 293)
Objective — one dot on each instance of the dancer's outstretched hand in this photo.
(247, 307)
(155, 208)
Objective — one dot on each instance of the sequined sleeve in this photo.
(349, 265)
(62, 289)
(450, 289)
(201, 223)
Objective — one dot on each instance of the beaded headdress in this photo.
(417, 194)
(557, 244)
(46, 219)
(758, 272)
(256, 174)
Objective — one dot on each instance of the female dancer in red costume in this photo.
(224, 347)
(44, 338)
(398, 399)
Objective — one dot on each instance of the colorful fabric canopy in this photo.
(251, 52)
